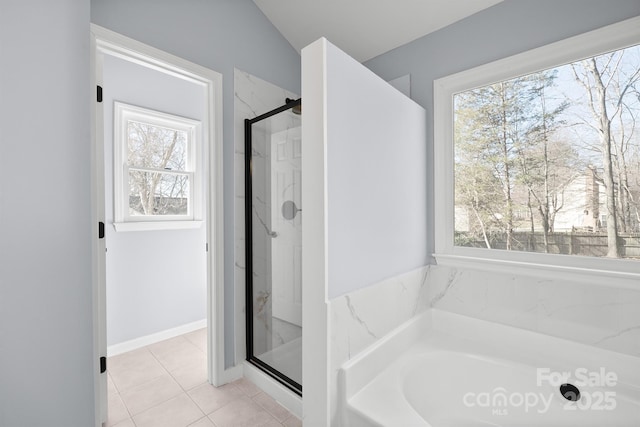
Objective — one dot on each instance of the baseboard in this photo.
(134, 344)
(273, 388)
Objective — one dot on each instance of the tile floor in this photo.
(165, 385)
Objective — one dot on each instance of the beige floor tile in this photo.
(131, 359)
(126, 423)
(133, 369)
(111, 387)
(278, 411)
(292, 421)
(198, 338)
(182, 355)
(149, 394)
(247, 387)
(210, 398)
(203, 422)
(168, 346)
(129, 378)
(191, 375)
(242, 412)
(116, 410)
(179, 411)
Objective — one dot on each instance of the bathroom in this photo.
(380, 272)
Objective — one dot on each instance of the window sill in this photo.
(156, 225)
(601, 272)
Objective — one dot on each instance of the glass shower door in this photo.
(274, 243)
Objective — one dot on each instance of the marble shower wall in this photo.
(253, 96)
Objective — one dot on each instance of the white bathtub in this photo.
(447, 370)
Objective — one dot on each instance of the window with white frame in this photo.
(538, 155)
(156, 173)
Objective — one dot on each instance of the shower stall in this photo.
(273, 218)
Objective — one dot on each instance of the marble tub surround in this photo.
(361, 318)
(606, 317)
(253, 96)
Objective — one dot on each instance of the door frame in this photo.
(106, 41)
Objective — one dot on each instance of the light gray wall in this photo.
(46, 344)
(376, 177)
(156, 280)
(220, 35)
(503, 30)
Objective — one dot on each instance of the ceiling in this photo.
(365, 28)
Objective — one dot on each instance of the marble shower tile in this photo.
(253, 96)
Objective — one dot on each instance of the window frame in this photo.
(123, 221)
(612, 37)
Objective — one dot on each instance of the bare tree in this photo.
(153, 152)
(600, 78)
(546, 162)
(488, 128)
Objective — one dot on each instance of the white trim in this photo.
(285, 397)
(134, 344)
(122, 114)
(606, 39)
(315, 317)
(98, 246)
(106, 41)
(156, 225)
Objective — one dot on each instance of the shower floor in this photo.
(286, 358)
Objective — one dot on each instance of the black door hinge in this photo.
(103, 365)
(101, 230)
(99, 93)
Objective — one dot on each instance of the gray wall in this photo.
(503, 30)
(156, 279)
(220, 35)
(46, 353)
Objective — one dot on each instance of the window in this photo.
(156, 178)
(538, 155)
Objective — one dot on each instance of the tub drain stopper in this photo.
(570, 392)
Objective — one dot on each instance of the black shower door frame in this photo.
(248, 180)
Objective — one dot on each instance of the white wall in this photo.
(364, 180)
(376, 177)
(156, 280)
(46, 346)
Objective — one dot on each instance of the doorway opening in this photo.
(202, 224)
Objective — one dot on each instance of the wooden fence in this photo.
(574, 243)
